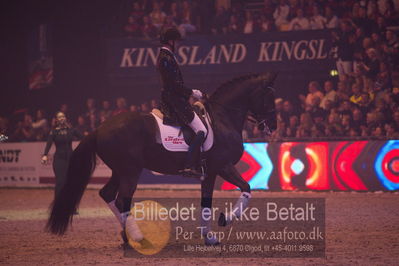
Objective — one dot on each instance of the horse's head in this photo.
(261, 103)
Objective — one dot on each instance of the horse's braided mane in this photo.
(228, 84)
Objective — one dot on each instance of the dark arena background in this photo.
(337, 105)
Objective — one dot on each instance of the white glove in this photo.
(197, 94)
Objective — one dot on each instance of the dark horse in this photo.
(127, 144)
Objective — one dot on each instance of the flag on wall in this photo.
(40, 58)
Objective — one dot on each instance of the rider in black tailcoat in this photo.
(175, 98)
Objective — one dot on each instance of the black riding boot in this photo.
(193, 156)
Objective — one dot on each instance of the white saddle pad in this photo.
(169, 136)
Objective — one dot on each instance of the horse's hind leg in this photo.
(109, 191)
(230, 174)
(108, 194)
(128, 180)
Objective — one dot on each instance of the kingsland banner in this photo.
(208, 60)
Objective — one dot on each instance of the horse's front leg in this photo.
(230, 174)
(206, 209)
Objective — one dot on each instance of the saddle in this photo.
(178, 138)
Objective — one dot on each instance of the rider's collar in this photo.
(170, 51)
(167, 48)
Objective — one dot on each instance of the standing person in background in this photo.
(62, 135)
(345, 43)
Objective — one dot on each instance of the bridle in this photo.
(259, 123)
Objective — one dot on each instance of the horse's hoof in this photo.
(222, 219)
(125, 246)
(145, 244)
(124, 237)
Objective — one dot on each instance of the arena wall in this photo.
(325, 165)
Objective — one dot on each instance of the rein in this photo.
(261, 125)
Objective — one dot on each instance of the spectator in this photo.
(287, 111)
(148, 30)
(133, 108)
(314, 110)
(157, 15)
(145, 108)
(279, 133)
(356, 94)
(220, 21)
(137, 12)
(390, 131)
(92, 115)
(384, 77)
(363, 22)
(330, 95)
(317, 21)
(396, 120)
(314, 91)
(24, 131)
(318, 131)
(281, 13)
(170, 23)
(40, 126)
(4, 126)
(154, 104)
(292, 126)
(371, 121)
(106, 111)
(357, 119)
(121, 106)
(306, 122)
(268, 8)
(187, 25)
(234, 25)
(175, 13)
(391, 48)
(264, 24)
(345, 108)
(132, 28)
(381, 25)
(250, 25)
(334, 127)
(279, 106)
(331, 18)
(82, 128)
(342, 91)
(372, 10)
(294, 6)
(299, 22)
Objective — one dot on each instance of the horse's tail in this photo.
(81, 166)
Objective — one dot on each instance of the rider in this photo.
(175, 98)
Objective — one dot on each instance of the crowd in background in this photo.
(144, 18)
(362, 101)
(26, 126)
